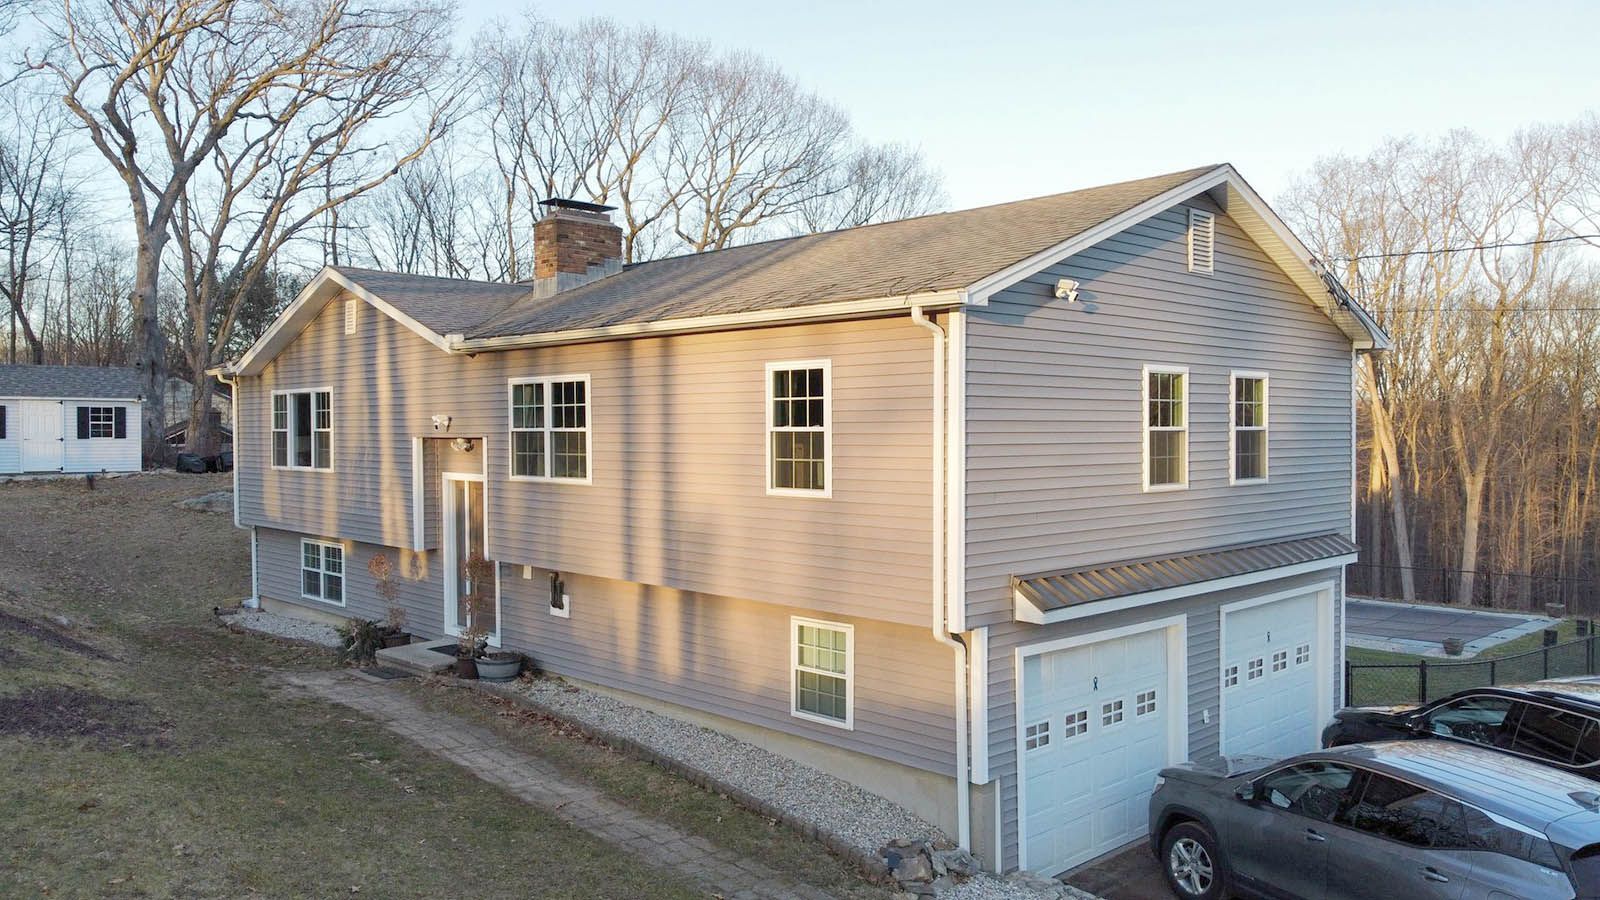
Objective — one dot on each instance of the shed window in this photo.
(822, 660)
(550, 428)
(1248, 421)
(1166, 427)
(322, 571)
(302, 429)
(102, 421)
(798, 413)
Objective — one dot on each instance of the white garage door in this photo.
(1271, 663)
(1095, 731)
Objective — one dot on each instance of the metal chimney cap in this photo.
(581, 206)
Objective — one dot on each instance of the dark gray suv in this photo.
(1430, 820)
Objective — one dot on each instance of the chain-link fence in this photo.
(1415, 683)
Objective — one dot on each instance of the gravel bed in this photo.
(286, 627)
(841, 813)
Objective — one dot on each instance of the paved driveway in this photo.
(1132, 874)
(1415, 628)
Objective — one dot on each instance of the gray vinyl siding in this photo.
(1203, 617)
(1054, 438)
(1055, 453)
(715, 654)
(677, 454)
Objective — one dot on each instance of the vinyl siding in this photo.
(1054, 441)
(98, 454)
(1054, 438)
(678, 459)
(1203, 614)
(715, 654)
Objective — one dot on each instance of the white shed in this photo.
(69, 419)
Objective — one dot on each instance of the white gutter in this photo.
(940, 634)
(458, 343)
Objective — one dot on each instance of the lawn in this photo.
(146, 752)
(1400, 685)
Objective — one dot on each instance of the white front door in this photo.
(1097, 725)
(1273, 661)
(41, 436)
(462, 510)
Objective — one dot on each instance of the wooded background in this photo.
(172, 173)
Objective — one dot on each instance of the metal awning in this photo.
(1073, 593)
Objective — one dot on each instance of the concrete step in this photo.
(419, 657)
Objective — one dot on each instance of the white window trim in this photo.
(550, 429)
(1234, 428)
(109, 422)
(344, 573)
(1199, 218)
(1144, 426)
(849, 676)
(826, 365)
(332, 417)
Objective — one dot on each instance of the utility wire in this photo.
(1500, 246)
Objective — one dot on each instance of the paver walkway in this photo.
(497, 761)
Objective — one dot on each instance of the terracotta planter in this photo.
(466, 667)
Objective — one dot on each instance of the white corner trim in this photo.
(1177, 646)
(1027, 612)
(955, 476)
(419, 505)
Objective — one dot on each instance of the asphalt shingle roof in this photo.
(69, 382)
(944, 251)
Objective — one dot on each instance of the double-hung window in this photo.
(822, 658)
(302, 429)
(1166, 428)
(799, 445)
(322, 571)
(550, 428)
(1247, 422)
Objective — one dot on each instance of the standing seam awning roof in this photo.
(1049, 591)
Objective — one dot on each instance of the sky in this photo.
(1019, 99)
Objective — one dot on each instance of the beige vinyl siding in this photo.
(678, 459)
(1204, 622)
(1054, 439)
(731, 658)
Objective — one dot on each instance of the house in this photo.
(994, 512)
(179, 399)
(69, 419)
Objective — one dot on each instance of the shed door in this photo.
(41, 436)
(1096, 726)
(1270, 663)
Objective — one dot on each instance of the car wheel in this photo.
(1192, 863)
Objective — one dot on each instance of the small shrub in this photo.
(479, 602)
(362, 638)
(381, 568)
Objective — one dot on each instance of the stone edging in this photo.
(870, 864)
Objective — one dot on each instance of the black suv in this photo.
(1553, 722)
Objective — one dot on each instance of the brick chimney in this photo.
(574, 243)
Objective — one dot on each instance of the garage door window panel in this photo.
(1145, 703)
(1230, 677)
(1255, 669)
(1077, 723)
(1038, 735)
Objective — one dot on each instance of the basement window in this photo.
(822, 659)
(322, 571)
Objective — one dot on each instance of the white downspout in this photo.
(254, 600)
(940, 634)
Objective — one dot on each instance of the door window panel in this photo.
(1406, 813)
(1477, 719)
(1549, 733)
(1316, 790)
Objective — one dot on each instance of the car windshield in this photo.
(1476, 719)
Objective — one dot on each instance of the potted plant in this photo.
(479, 574)
(381, 568)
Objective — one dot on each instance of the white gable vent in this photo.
(350, 316)
(1202, 240)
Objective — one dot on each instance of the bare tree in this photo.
(161, 88)
(37, 198)
(877, 183)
